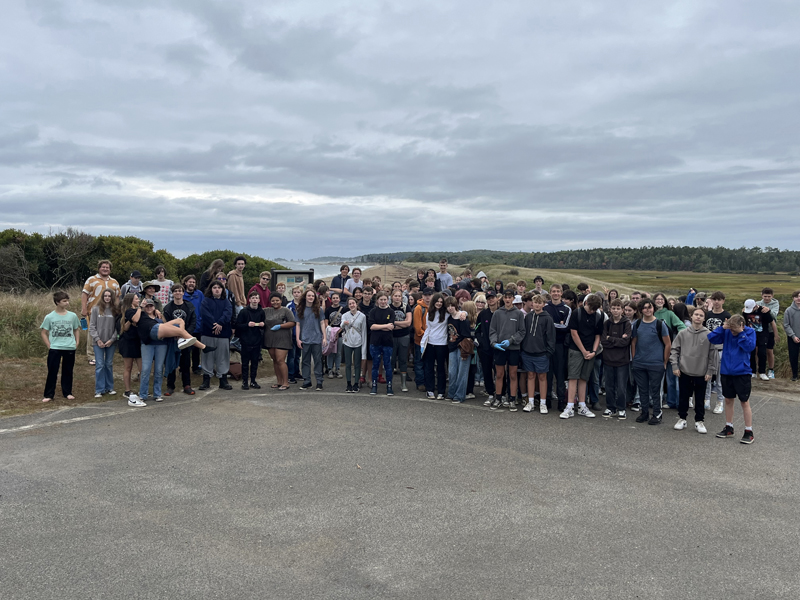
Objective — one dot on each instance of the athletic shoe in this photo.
(727, 432)
(700, 427)
(608, 413)
(585, 412)
(636, 406)
(374, 390)
(389, 391)
(440, 397)
(255, 385)
(771, 374)
(338, 375)
(292, 380)
(568, 412)
(707, 405)
(680, 425)
(644, 417)
(602, 391)
(506, 402)
(245, 385)
(306, 386)
(330, 375)
(127, 393)
(319, 387)
(594, 405)
(98, 395)
(542, 408)
(655, 419)
(185, 343)
(431, 395)
(381, 379)
(496, 403)
(794, 378)
(747, 438)
(528, 407)
(488, 401)
(169, 392)
(718, 408)
(752, 375)
(349, 389)
(362, 379)
(470, 397)
(188, 390)
(158, 399)
(134, 400)
(111, 393)
(512, 407)
(763, 377)
(355, 389)
(621, 415)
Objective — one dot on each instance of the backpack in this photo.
(659, 323)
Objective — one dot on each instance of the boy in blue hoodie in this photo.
(738, 343)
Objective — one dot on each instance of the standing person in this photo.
(445, 279)
(354, 343)
(132, 286)
(716, 317)
(280, 291)
(505, 334)
(381, 322)
(293, 358)
(791, 325)
(216, 267)
(536, 348)
(538, 282)
(333, 314)
(585, 328)
(250, 324)
(769, 301)
(400, 339)
(311, 336)
(215, 315)
(355, 282)
(420, 323)
(103, 331)
(339, 281)
(616, 340)
(762, 322)
(650, 350)
(675, 325)
(738, 343)
(631, 311)
(485, 350)
(279, 324)
(435, 344)
(693, 359)
(461, 346)
(93, 289)
(365, 306)
(164, 293)
(130, 346)
(179, 308)
(61, 332)
(193, 295)
(560, 313)
(262, 287)
(236, 283)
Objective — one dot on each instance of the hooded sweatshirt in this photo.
(693, 353)
(616, 349)
(250, 336)
(791, 321)
(507, 324)
(540, 334)
(216, 310)
(673, 321)
(735, 351)
(774, 307)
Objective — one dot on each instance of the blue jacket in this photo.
(216, 310)
(196, 298)
(736, 349)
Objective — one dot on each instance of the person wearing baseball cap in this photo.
(134, 286)
(761, 322)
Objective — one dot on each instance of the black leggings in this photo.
(487, 365)
(435, 355)
(794, 354)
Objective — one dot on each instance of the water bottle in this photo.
(84, 324)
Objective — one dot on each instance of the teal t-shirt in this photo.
(60, 328)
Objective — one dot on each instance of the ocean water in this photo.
(321, 271)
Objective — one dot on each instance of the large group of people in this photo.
(538, 349)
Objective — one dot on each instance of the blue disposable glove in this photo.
(275, 327)
(499, 347)
(505, 344)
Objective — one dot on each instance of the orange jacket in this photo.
(419, 321)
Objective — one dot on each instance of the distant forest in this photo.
(648, 258)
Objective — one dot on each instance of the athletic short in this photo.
(578, 367)
(736, 386)
(154, 332)
(130, 349)
(770, 340)
(535, 364)
(506, 357)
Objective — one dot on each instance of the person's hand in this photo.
(500, 347)
(505, 344)
(764, 309)
(300, 344)
(624, 336)
(251, 324)
(796, 340)
(588, 354)
(677, 373)
(275, 328)
(725, 325)
(217, 329)
(324, 340)
(605, 289)
(708, 377)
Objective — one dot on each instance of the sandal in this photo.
(70, 397)
(283, 387)
(92, 362)
(275, 386)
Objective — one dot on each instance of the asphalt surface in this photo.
(332, 495)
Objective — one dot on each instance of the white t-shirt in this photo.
(352, 284)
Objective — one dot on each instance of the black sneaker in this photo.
(389, 391)
(305, 386)
(643, 417)
(594, 406)
(496, 403)
(254, 385)
(355, 388)
(349, 389)
(319, 387)
(727, 432)
(127, 393)
(654, 420)
(512, 405)
(747, 438)
(636, 406)
(374, 390)
(245, 386)
(293, 381)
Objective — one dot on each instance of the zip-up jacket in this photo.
(616, 349)
(791, 321)
(693, 353)
(482, 330)
(736, 350)
(507, 324)
(540, 334)
(560, 314)
(216, 310)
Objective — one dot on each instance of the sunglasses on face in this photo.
(222, 279)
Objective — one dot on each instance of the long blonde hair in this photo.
(472, 312)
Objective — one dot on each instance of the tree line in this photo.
(67, 258)
(647, 258)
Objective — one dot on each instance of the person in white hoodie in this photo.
(791, 325)
(354, 339)
(693, 359)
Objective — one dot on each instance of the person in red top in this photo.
(262, 287)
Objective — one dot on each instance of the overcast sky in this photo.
(300, 128)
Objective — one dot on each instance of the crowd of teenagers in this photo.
(527, 349)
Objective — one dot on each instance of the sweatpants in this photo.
(250, 356)
(218, 361)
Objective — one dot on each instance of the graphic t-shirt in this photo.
(380, 316)
(714, 320)
(60, 329)
(400, 314)
(334, 315)
(761, 322)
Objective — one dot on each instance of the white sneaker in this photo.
(488, 401)
(542, 408)
(700, 427)
(431, 395)
(134, 400)
(98, 395)
(158, 399)
(185, 343)
(568, 412)
(691, 402)
(608, 413)
(528, 407)
(771, 374)
(718, 408)
(112, 393)
(707, 404)
(470, 396)
(585, 412)
(764, 377)
(440, 397)
(681, 424)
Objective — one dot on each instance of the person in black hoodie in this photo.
(216, 311)
(537, 346)
(485, 351)
(560, 312)
(616, 341)
(250, 329)
(180, 309)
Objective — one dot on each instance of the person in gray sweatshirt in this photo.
(103, 332)
(506, 331)
(693, 359)
(791, 325)
(537, 347)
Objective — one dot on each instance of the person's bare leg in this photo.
(522, 384)
(500, 373)
(771, 359)
(126, 373)
(281, 368)
(729, 410)
(581, 391)
(542, 377)
(530, 381)
(748, 414)
(572, 390)
(512, 380)
(175, 329)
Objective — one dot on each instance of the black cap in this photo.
(538, 278)
(427, 291)
(509, 292)
(490, 294)
(136, 274)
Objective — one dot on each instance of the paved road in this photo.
(331, 495)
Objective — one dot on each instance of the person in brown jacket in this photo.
(616, 341)
(236, 283)
(420, 323)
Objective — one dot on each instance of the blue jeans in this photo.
(419, 367)
(378, 352)
(104, 369)
(334, 360)
(152, 353)
(672, 389)
(459, 371)
(293, 360)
